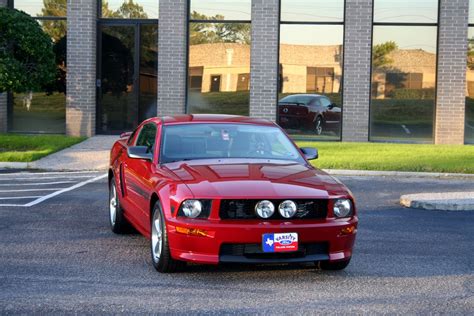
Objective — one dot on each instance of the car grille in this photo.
(254, 251)
(245, 209)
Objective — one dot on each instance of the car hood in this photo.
(254, 179)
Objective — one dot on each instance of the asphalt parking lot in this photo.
(59, 256)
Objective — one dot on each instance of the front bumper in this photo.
(240, 240)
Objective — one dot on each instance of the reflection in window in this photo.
(42, 8)
(220, 10)
(406, 11)
(44, 111)
(311, 65)
(219, 68)
(403, 83)
(312, 10)
(469, 127)
(130, 9)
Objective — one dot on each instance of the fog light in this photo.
(287, 209)
(265, 209)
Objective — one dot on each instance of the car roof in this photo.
(208, 118)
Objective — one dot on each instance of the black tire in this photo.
(318, 125)
(118, 223)
(163, 262)
(334, 266)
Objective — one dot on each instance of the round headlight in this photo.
(191, 208)
(342, 208)
(265, 209)
(287, 209)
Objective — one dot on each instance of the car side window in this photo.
(147, 136)
(325, 102)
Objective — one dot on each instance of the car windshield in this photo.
(219, 141)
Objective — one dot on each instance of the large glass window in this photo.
(44, 111)
(403, 72)
(219, 57)
(128, 65)
(469, 127)
(129, 9)
(311, 65)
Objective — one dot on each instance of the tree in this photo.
(27, 60)
(128, 10)
(470, 54)
(380, 54)
(55, 28)
(220, 32)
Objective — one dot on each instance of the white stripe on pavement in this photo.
(29, 190)
(50, 173)
(19, 197)
(33, 183)
(41, 178)
(78, 185)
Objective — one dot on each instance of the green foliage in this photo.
(393, 157)
(380, 52)
(55, 28)
(207, 33)
(413, 94)
(27, 59)
(128, 10)
(25, 148)
(392, 111)
(220, 102)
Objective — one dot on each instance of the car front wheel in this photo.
(159, 244)
(118, 223)
(318, 125)
(336, 265)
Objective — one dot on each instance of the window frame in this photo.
(402, 24)
(280, 70)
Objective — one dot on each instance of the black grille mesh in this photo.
(255, 251)
(245, 209)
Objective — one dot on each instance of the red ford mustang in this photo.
(217, 188)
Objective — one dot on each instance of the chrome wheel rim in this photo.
(319, 128)
(156, 236)
(113, 204)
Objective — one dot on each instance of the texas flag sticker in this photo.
(280, 242)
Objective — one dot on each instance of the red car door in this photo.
(138, 175)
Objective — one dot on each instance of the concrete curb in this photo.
(404, 174)
(14, 165)
(450, 201)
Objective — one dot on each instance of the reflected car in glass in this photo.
(216, 189)
(309, 112)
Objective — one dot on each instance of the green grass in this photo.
(26, 148)
(393, 157)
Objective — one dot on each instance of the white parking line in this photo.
(48, 173)
(56, 177)
(19, 197)
(30, 190)
(39, 199)
(33, 183)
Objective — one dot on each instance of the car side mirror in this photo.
(332, 106)
(310, 153)
(140, 152)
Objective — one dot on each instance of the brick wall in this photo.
(172, 41)
(3, 96)
(264, 59)
(81, 67)
(357, 56)
(450, 101)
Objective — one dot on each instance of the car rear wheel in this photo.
(118, 223)
(337, 265)
(159, 244)
(318, 125)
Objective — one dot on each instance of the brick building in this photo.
(397, 71)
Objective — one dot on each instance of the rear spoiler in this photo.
(125, 134)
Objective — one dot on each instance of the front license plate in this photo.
(284, 242)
